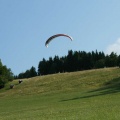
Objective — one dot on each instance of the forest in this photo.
(73, 61)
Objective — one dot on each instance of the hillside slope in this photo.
(82, 95)
(65, 82)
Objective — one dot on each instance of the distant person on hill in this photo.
(20, 81)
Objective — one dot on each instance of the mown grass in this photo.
(84, 95)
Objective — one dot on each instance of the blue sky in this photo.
(25, 25)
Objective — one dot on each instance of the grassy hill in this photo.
(83, 95)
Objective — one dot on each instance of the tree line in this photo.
(76, 61)
(6, 75)
(27, 74)
(73, 61)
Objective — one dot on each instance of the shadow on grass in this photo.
(110, 87)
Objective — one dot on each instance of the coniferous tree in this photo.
(42, 67)
(21, 76)
(33, 72)
(118, 61)
(70, 61)
(111, 60)
(27, 74)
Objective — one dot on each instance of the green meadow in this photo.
(82, 95)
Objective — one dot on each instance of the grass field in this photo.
(84, 95)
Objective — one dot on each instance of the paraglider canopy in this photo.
(54, 36)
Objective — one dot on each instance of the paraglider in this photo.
(54, 36)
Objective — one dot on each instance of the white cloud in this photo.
(115, 47)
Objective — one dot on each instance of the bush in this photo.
(2, 83)
(5, 75)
